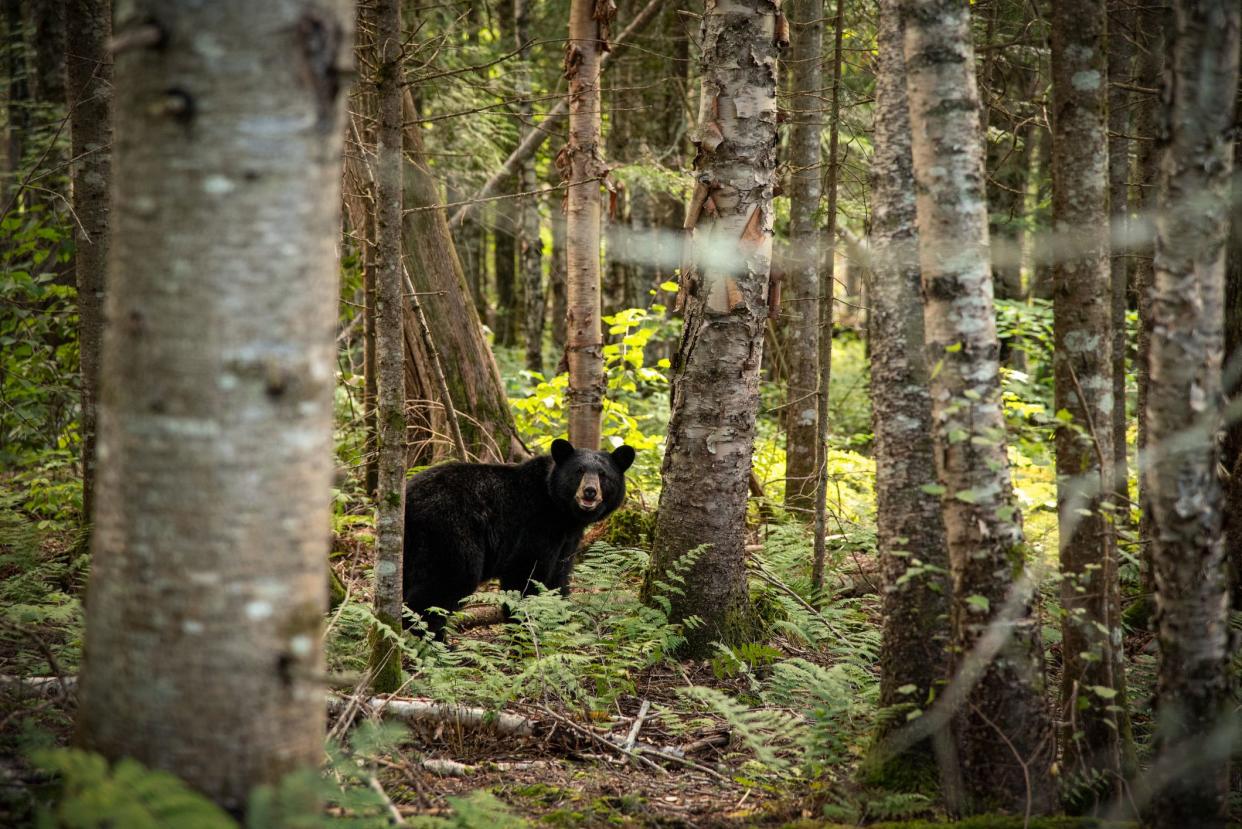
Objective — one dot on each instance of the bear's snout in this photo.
(587, 495)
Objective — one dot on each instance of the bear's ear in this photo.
(562, 450)
(623, 457)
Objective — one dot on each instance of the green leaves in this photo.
(978, 604)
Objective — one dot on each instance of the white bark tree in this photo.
(724, 289)
(984, 532)
(207, 586)
(1184, 413)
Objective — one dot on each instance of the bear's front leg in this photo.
(564, 567)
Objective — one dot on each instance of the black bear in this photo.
(466, 523)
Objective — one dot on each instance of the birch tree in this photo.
(715, 391)
(910, 530)
(88, 76)
(207, 590)
(984, 533)
(1184, 414)
(1082, 369)
(582, 165)
(801, 308)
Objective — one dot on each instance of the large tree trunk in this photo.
(715, 392)
(801, 304)
(88, 74)
(582, 165)
(1082, 367)
(983, 527)
(206, 596)
(473, 378)
(1183, 411)
(385, 60)
(909, 527)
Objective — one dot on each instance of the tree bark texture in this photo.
(385, 662)
(1120, 70)
(1231, 447)
(556, 277)
(474, 380)
(1082, 369)
(1184, 408)
(910, 530)
(800, 305)
(207, 584)
(582, 166)
(1152, 21)
(529, 244)
(984, 533)
(88, 75)
(715, 392)
(370, 384)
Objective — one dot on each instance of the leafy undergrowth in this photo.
(752, 730)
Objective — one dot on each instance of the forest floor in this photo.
(771, 736)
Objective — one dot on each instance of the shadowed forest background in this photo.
(923, 317)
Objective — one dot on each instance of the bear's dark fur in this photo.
(466, 523)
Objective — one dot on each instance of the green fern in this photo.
(94, 795)
(765, 731)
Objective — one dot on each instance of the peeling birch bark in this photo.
(207, 586)
(716, 368)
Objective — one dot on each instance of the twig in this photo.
(638, 724)
(374, 783)
(1026, 772)
(573, 726)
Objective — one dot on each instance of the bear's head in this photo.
(588, 484)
